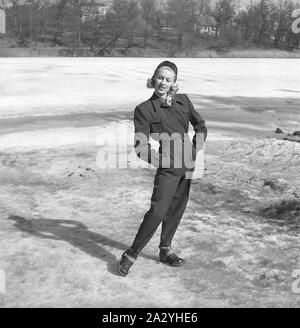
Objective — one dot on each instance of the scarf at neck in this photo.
(167, 101)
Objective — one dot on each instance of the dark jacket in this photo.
(156, 118)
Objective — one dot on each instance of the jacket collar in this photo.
(158, 102)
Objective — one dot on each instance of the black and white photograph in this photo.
(149, 155)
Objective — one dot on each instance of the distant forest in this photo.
(102, 27)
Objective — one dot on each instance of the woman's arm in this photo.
(142, 145)
(198, 124)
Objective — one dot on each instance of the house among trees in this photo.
(100, 9)
(2, 21)
(205, 25)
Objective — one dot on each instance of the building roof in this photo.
(206, 20)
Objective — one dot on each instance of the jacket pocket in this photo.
(156, 126)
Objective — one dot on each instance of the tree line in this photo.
(144, 24)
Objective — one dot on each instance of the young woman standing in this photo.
(165, 113)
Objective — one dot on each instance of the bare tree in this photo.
(118, 22)
(264, 11)
(224, 13)
(60, 17)
(81, 8)
(182, 16)
(281, 22)
(148, 13)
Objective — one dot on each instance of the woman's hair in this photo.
(150, 83)
(170, 65)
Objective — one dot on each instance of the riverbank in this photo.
(148, 53)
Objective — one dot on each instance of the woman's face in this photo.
(163, 80)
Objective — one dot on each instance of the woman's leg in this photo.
(165, 187)
(175, 213)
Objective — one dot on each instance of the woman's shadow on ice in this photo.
(77, 234)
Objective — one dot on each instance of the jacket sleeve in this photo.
(198, 124)
(142, 145)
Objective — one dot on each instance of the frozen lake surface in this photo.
(54, 86)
